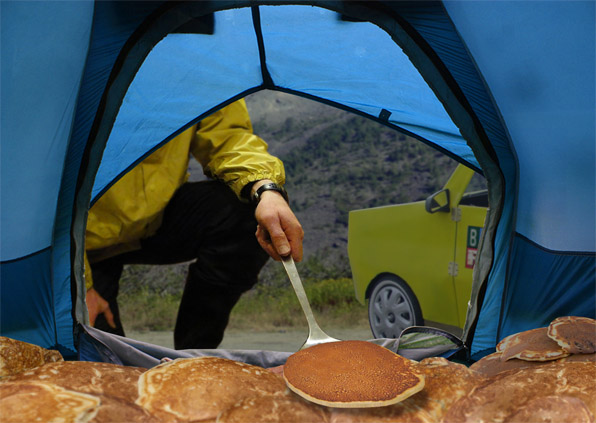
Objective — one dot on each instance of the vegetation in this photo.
(264, 307)
(332, 300)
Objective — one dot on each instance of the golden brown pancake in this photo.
(195, 389)
(531, 345)
(17, 356)
(552, 409)
(492, 364)
(445, 383)
(43, 402)
(581, 357)
(574, 334)
(402, 412)
(506, 393)
(115, 410)
(288, 408)
(87, 376)
(351, 374)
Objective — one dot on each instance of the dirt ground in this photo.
(288, 340)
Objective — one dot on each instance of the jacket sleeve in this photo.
(228, 150)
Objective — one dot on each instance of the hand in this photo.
(97, 305)
(279, 233)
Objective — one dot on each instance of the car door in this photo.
(469, 216)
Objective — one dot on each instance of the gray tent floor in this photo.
(96, 345)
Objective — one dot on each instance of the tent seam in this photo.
(256, 20)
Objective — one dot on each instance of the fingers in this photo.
(97, 305)
(92, 317)
(279, 240)
(91, 299)
(279, 233)
(266, 244)
(294, 236)
(109, 317)
(279, 243)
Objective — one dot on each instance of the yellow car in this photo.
(414, 261)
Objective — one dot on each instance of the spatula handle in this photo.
(292, 272)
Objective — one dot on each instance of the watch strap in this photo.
(270, 186)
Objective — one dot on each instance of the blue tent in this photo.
(91, 88)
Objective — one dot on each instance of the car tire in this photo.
(392, 307)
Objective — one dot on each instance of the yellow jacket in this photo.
(223, 143)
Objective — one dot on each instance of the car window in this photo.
(476, 193)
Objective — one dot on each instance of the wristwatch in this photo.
(256, 197)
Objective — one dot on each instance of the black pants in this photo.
(204, 222)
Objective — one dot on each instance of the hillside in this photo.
(335, 162)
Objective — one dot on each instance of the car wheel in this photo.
(392, 307)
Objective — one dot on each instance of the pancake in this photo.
(581, 357)
(492, 364)
(274, 409)
(402, 412)
(194, 389)
(504, 394)
(445, 383)
(113, 409)
(351, 374)
(552, 409)
(574, 334)
(43, 402)
(87, 376)
(531, 345)
(17, 356)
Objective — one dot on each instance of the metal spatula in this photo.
(315, 333)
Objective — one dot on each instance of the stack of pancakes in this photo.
(541, 375)
(17, 356)
(559, 392)
(445, 383)
(70, 391)
(566, 338)
(203, 388)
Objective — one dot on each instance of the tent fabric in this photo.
(43, 54)
(504, 87)
(546, 96)
(186, 74)
(96, 345)
(572, 294)
(44, 47)
(183, 76)
(33, 293)
(544, 91)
